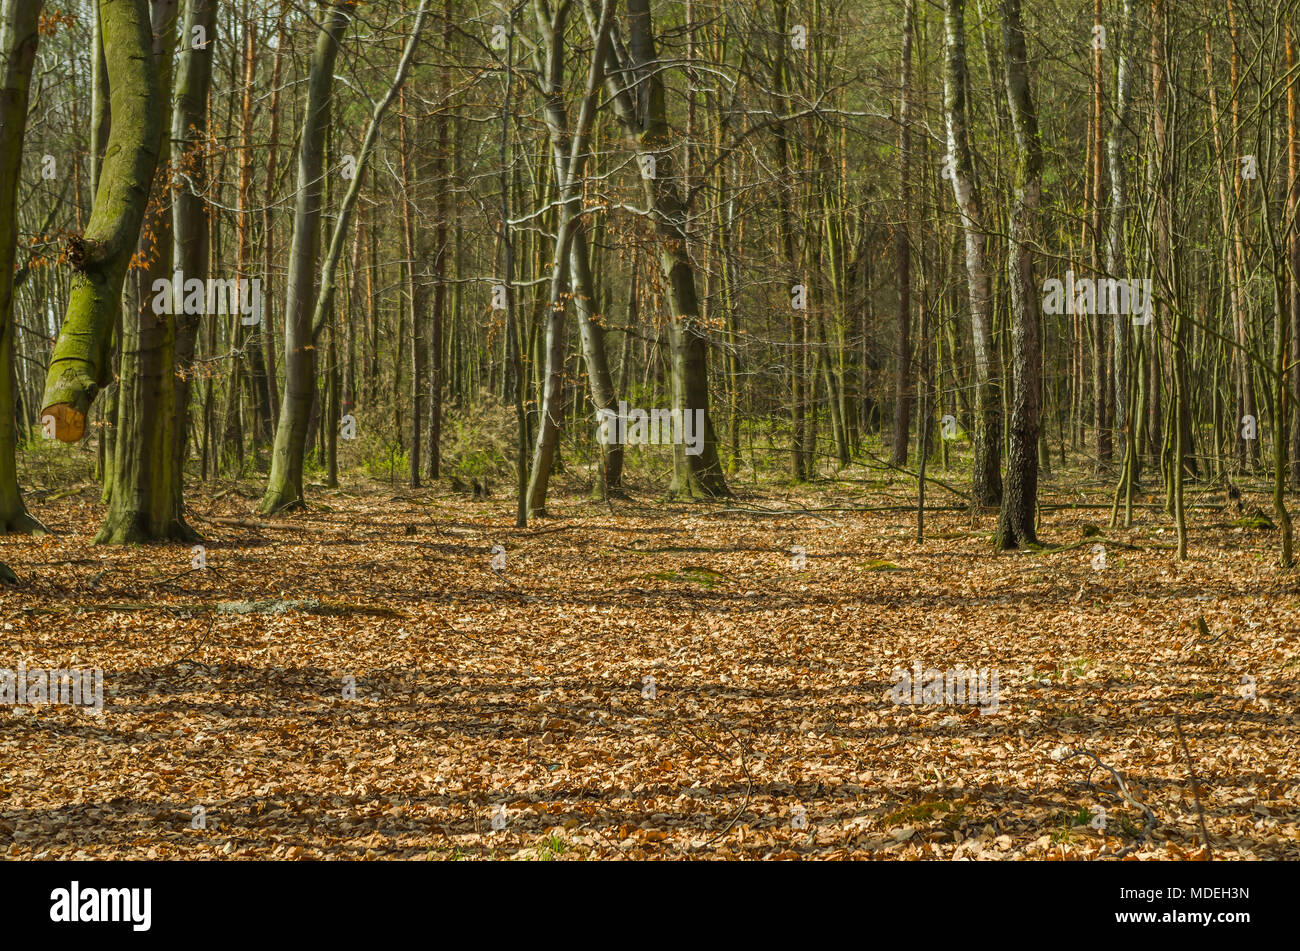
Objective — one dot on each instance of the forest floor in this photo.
(522, 697)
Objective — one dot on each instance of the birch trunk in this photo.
(986, 486)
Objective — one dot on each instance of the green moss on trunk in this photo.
(79, 364)
(284, 488)
(18, 31)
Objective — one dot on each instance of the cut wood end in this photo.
(69, 423)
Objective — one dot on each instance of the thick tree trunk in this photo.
(144, 503)
(99, 128)
(79, 365)
(19, 37)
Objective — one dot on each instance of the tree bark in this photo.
(1116, 254)
(1103, 392)
(646, 130)
(570, 271)
(903, 250)
(249, 336)
(417, 291)
(284, 488)
(442, 212)
(268, 228)
(19, 37)
(1293, 209)
(78, 367)
(986, 485)
(1016, 521)
(143, 503)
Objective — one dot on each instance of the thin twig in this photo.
(1123, 789)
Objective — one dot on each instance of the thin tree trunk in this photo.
(903, 250)
(986, 486)
(268, 228)
(1293, 210)
(259, 396)
(1102, 389)
(441, 214)
(1116, 254)
(1016, 521)
(570, 152)
(417, 290)
(648, 135)
(284, 488)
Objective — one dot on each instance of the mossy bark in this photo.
(284, 487)
(19, 37)
(189, 216)
(145, 502)
(79, 364)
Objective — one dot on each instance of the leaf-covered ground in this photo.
(523, 694)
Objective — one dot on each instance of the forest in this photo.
(652, 429)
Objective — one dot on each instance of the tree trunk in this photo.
(1293, 209)
(268, 227)
(442, 212)
(1116, 255)
(249, 339)
(1016, 521)
(19, 37)
(570, 270)
(1102, 389)
(189, 214)
(986, 486)
(648, 135)
(903, 250)
(603, 394)
(417, 292)
(284, 488)
(79, 365)
(145, 503)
